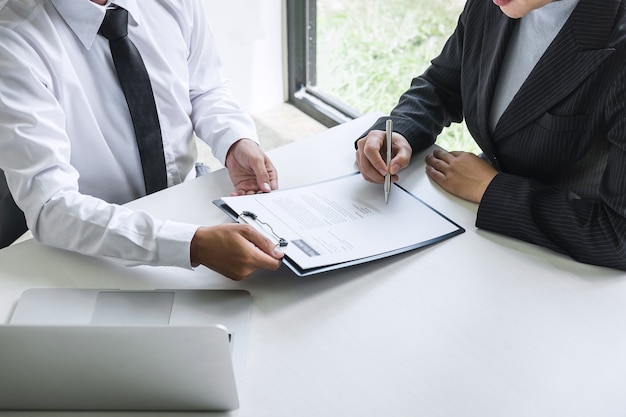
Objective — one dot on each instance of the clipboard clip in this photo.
(245, 215)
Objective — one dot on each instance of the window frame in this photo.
(301, 68)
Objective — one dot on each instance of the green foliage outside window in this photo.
(369, 51)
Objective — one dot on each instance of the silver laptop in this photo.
(97, 349)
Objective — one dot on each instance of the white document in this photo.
(342, 220)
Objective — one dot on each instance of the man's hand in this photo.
(234, 250)
(461, 173)
(369, 156)
(250, 169)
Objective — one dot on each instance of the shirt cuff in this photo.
(174, 244)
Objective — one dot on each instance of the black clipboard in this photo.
(298, 270)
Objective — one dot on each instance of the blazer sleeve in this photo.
(589, 230)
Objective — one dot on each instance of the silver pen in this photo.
(389, 131)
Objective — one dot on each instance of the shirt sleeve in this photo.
(217, 118)
(36, 155)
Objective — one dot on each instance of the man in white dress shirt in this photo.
(67, 144)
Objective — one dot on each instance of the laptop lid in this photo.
(116, 368)
(105, 313)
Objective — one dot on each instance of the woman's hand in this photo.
(369, 156)
(460, 173)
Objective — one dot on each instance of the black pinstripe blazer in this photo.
(560, 146)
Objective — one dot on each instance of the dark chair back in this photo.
(12, 221)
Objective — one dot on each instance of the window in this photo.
(350, 57)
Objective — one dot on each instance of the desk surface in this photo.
(479, 325)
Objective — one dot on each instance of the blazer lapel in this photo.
(578, 49)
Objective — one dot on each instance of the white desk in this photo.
(479, 325)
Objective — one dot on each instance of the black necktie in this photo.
(135, 83)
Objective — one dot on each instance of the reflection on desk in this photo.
(482, 325)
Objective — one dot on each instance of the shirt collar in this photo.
(84, 17)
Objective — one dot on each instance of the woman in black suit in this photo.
(541, 85)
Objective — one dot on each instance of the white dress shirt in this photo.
(67, 143)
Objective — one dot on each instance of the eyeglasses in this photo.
(246, 215)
